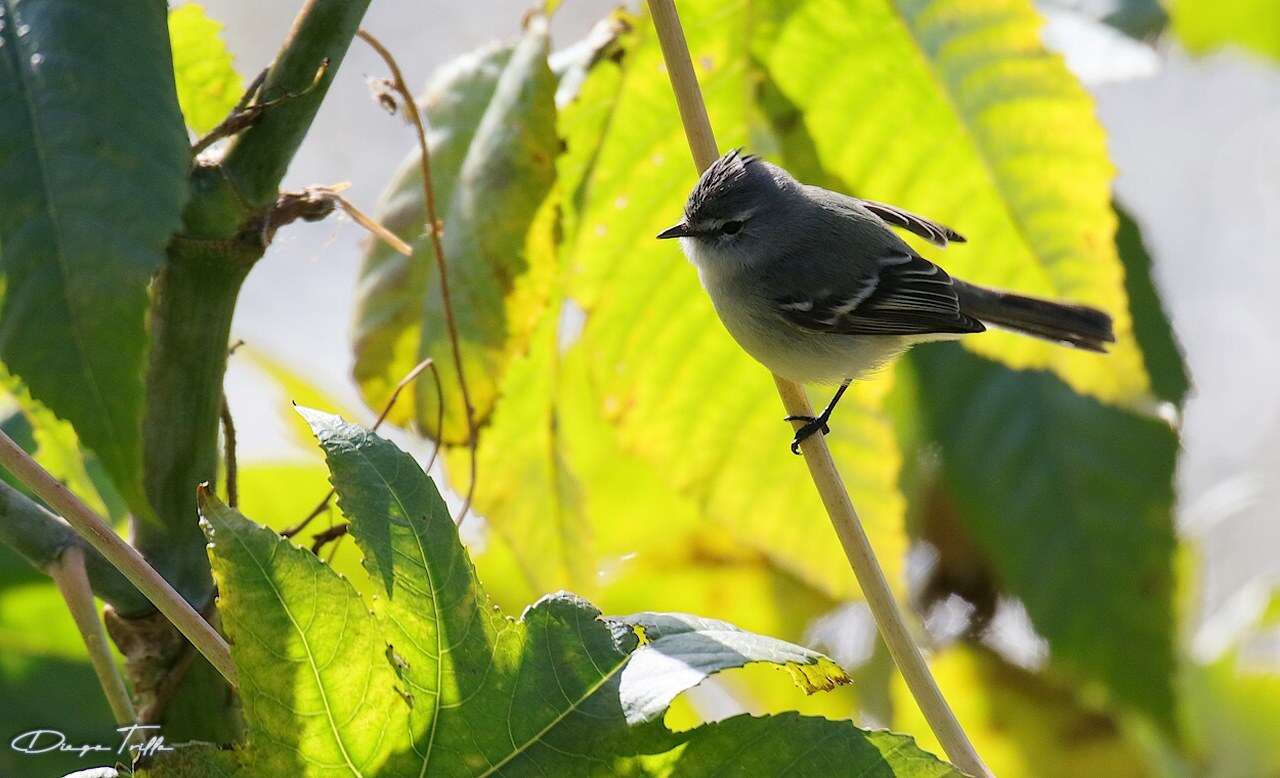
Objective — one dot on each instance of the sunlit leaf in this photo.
(1071, 500)
(954, 109)
(393, 288)
(56, 447)
(493, 145)
(208, 84)
(680, 395)
(1207, 25)
(573, 689)
(84, 230)
(679, 651)
(317, 687)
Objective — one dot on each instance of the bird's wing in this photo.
(935, 233)
(904, 294)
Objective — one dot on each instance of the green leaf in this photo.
(208, 84)
(1071, 500)
(1207, 25)
(679, 651)
(540, 671)
(954, 109)
(56, 448)
(46, 679)
(93, 165)
(318, 690)
(555, 691)
(1151, 326)
(493, 144)
(789, 744)
(194, 760)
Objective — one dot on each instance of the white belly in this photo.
(802, 355)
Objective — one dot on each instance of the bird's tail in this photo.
(1076, 325)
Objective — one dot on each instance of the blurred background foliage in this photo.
(1021, 496)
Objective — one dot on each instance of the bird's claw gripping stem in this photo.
(813, 424)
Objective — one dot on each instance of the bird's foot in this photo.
(813, 425)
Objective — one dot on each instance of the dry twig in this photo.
(409, 109)
(229, 454)
(244, 115)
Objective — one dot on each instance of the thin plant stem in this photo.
(229, 454)
(125, 557)
(411, 112)
(68, 572)
(844, 518)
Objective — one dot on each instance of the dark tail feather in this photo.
(1076, 325)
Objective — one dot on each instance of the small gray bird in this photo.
(817, 287)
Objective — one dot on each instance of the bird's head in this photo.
(731, 209)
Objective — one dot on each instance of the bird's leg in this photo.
(817, 423)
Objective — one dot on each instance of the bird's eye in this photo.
(730, 227)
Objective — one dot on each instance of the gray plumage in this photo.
(817, 286)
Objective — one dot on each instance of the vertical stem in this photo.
(69, 574)
(193, 299)
(822, 468)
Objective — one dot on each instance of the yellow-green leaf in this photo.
(680, 395)
(1206, 25)
(208, 84)
(493, 145)
(570, 692)
(318, 689)
(954, 109)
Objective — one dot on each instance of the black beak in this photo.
(681, 230)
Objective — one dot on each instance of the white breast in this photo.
(789, 351)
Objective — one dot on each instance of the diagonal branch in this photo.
(257, 159)
(822, 468)
(126, 559)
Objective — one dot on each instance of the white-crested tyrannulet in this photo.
(817, 287)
